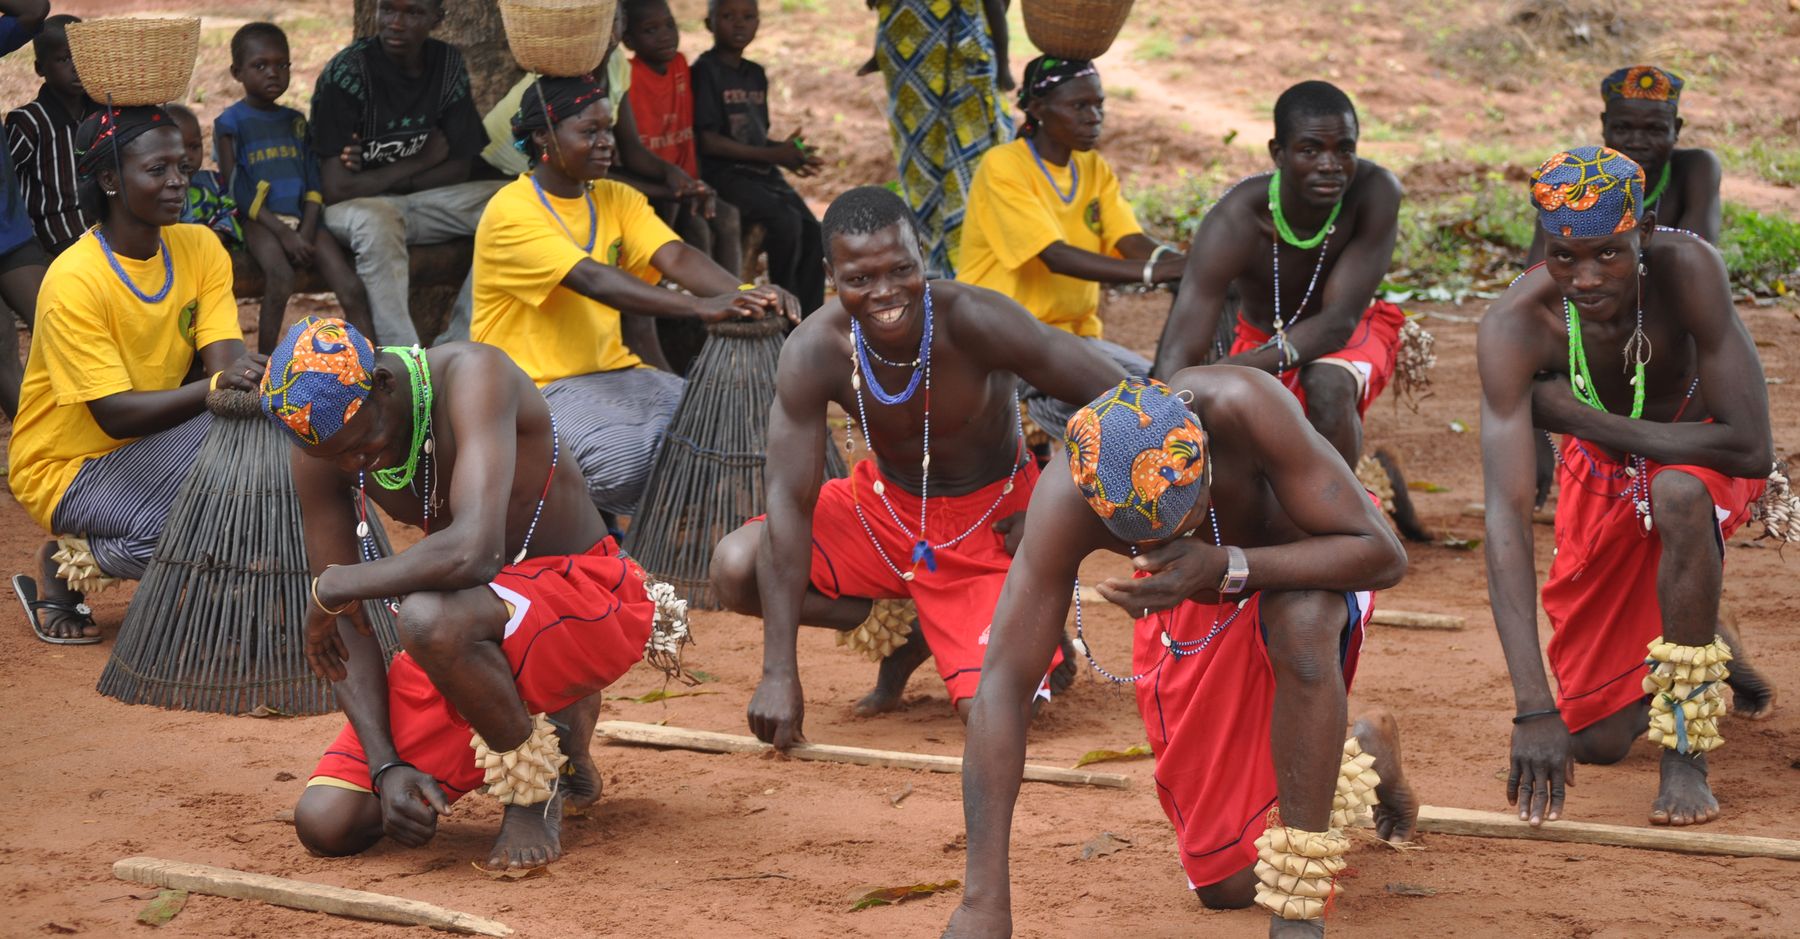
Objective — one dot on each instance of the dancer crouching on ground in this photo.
(515, 559)
(1241, 658)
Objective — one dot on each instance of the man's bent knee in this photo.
(1678, 498)
(1304, 630)
(334, 822)
(363, 223)
(441, 627)
(1331, 390)
(733, 570)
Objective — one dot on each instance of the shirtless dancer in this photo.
(1624, 340)
(515, 559)
(934, 396)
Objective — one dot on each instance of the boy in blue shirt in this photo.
(266, 159)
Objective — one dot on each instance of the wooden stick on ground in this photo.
(1540, 516)
(1406, 620)
(301, 895)
(1400, 618)
(1681, 840)
(709, 742)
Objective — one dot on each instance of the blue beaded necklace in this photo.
(1074, 174)
(593, 215)
(124, 278)
(920, 365)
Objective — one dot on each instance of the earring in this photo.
(544, 157)
(111, 192)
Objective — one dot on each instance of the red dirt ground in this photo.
(685, 843)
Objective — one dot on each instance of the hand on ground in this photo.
(777, 711)
(1542, 766)
(410, 805)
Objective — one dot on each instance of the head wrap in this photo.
(550, 101)
(1588, 192)
(101, 139)
(318, 378)
(1138, 455)
(1043, 74)
(1642, 83)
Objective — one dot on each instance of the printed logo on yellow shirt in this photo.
(1092, 216)
(612, 252)
(188, 330)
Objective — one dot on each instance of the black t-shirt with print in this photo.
(362, 91)
(733, 102)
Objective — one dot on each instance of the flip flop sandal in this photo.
(26, 590)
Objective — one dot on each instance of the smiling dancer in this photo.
(926, 369)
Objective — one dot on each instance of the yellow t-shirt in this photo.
(1013, 215)
(94, 338)
(521, 257)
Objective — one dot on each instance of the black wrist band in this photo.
(375, 777)
(1533, 715)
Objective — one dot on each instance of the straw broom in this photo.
(217, 622)
(708, 477)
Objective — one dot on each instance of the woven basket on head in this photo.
(129, 61)
(217, 624)
(559, 38)
(1074, 29)
(708, 476)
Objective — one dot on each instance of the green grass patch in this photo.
(1762, 251)
(1173, 212)
(1462, 244)
(1156, 47)
(1776, 160)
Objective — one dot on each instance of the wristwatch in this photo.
(1237, 571)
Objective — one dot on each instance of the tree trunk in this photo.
(474, 27)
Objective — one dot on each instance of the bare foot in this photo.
(1397, 807)
(1684, 798)
(890, 680)
(1752, 695)
(1062, 677)
(59, 623)
(530, 836)
(1295, 928)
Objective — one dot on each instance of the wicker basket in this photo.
(1074, 29)
(131, 61)
(559, 38)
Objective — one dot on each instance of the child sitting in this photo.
(41, 135)
(265, 155)
(207, 204)
(731, 126)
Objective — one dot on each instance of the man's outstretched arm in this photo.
(1027, 625)
(1002, 335)
(1504, 354)
(784, 558)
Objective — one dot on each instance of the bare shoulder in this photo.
(1696, 159)
(816, 356)
(1242, 199)
(1374, 179)
(1692, 255)
(1524, 305)
(968, 306)
(1232, 396)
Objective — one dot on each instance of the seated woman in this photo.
(113, 410)
(560, 251)
(1046, 224)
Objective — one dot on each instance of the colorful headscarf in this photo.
(318, 378)
(1042, 76)
(102, 138)
(1588, 192)
(1642, 83)
(550, 101)
(1138, 455)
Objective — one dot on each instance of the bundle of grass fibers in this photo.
(217, 624)
(708, 477)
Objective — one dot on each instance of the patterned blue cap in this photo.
(318, 378)
(1138, 455)
(1588, 192)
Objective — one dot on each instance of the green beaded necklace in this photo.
(1662, 183)
(1582, 382)
(418, 373)
(1281, 225)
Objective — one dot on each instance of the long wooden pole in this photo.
(1381, 617)
(301, 895)
(707, 741)
(1450, 821)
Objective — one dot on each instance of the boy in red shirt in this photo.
(662, 102)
